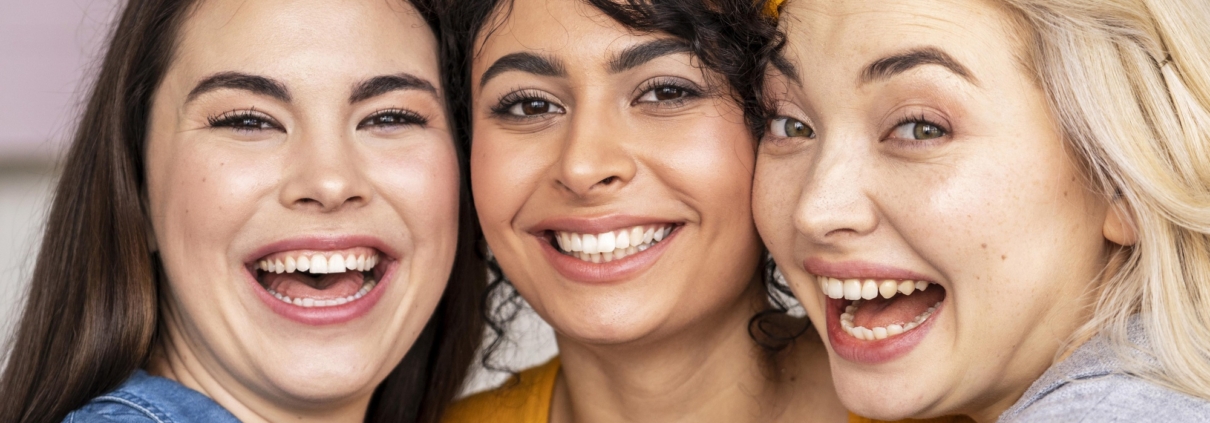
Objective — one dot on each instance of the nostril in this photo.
(608, 180)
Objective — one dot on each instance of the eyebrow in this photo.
(786, 67)
(636, 55)
(380, 85)
(240, 81)
(887, 67)
(524, 62)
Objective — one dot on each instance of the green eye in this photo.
(789, 127)
(918, 131)
(924, 131)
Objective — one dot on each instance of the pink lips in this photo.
(599, 273)
(331, 315)
(858, 350)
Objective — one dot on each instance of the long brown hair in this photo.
(91, 318)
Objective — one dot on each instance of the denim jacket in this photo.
(145, 398)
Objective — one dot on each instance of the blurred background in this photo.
(49, 50)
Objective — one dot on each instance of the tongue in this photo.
(320, 287)
(900, 309)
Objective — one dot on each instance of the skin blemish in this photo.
(1003, 257)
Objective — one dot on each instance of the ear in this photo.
(1119, 227)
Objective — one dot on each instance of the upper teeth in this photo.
(868, 289)
(614, 245)
(318, 263)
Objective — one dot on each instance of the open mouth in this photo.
(320, 278)
(609, 246)
(873, 310)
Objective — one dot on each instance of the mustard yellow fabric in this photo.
(523, 399)
(526, 399)
(771, 7)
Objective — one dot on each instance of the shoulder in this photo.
(522, 399)
(144, 398)
(1115, 397)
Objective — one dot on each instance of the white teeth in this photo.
(605, 242)
(855, 289)
(872, 334)
(869, 290)
(319, 264)
(336, 264)
(608, 246)
(565, 241)
(852, 289)
(623, 241)
(887, 289)
(590, 244)
(366, 286)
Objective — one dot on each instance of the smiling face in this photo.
(922, 205)
(612, 180)
(303, 190)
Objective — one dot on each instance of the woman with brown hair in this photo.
(256, 221)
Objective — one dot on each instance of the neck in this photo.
(709, 372)
(175, 359)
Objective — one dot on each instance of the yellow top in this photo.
(771, 8)
(526, 399)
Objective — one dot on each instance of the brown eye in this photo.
(668, 93)
(790, 128)
(533, 107)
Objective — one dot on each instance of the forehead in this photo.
(570, 29)
(305, 38)
(848, 34)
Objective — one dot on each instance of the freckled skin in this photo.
(999, 183)
(319, 175)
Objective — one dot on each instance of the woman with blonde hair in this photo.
(998, 209)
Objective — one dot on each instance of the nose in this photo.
(324, 174)
(834, 202)
(594, 159)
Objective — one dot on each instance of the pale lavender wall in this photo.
(46, 48)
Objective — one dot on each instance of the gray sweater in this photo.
(1092, 386)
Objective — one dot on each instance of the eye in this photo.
(525, 104)
(392, 118)
(244, 121)
(787, 127)
(533, 107)
(918, 129)
(663, 94)
(667, 91)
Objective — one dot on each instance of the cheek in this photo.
(503, 174)
(201, 196)
(421, 185)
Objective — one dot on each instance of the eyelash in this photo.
(513, 98)
(405, 118)
(239, 120)
(690, 90)
(919, 119)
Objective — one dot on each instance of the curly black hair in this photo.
(732, 38)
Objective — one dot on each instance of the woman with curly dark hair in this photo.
(267, 230)
(611, 164)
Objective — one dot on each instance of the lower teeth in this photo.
(311, 302)
(878, 333)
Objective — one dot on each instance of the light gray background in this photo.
(48, 52)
